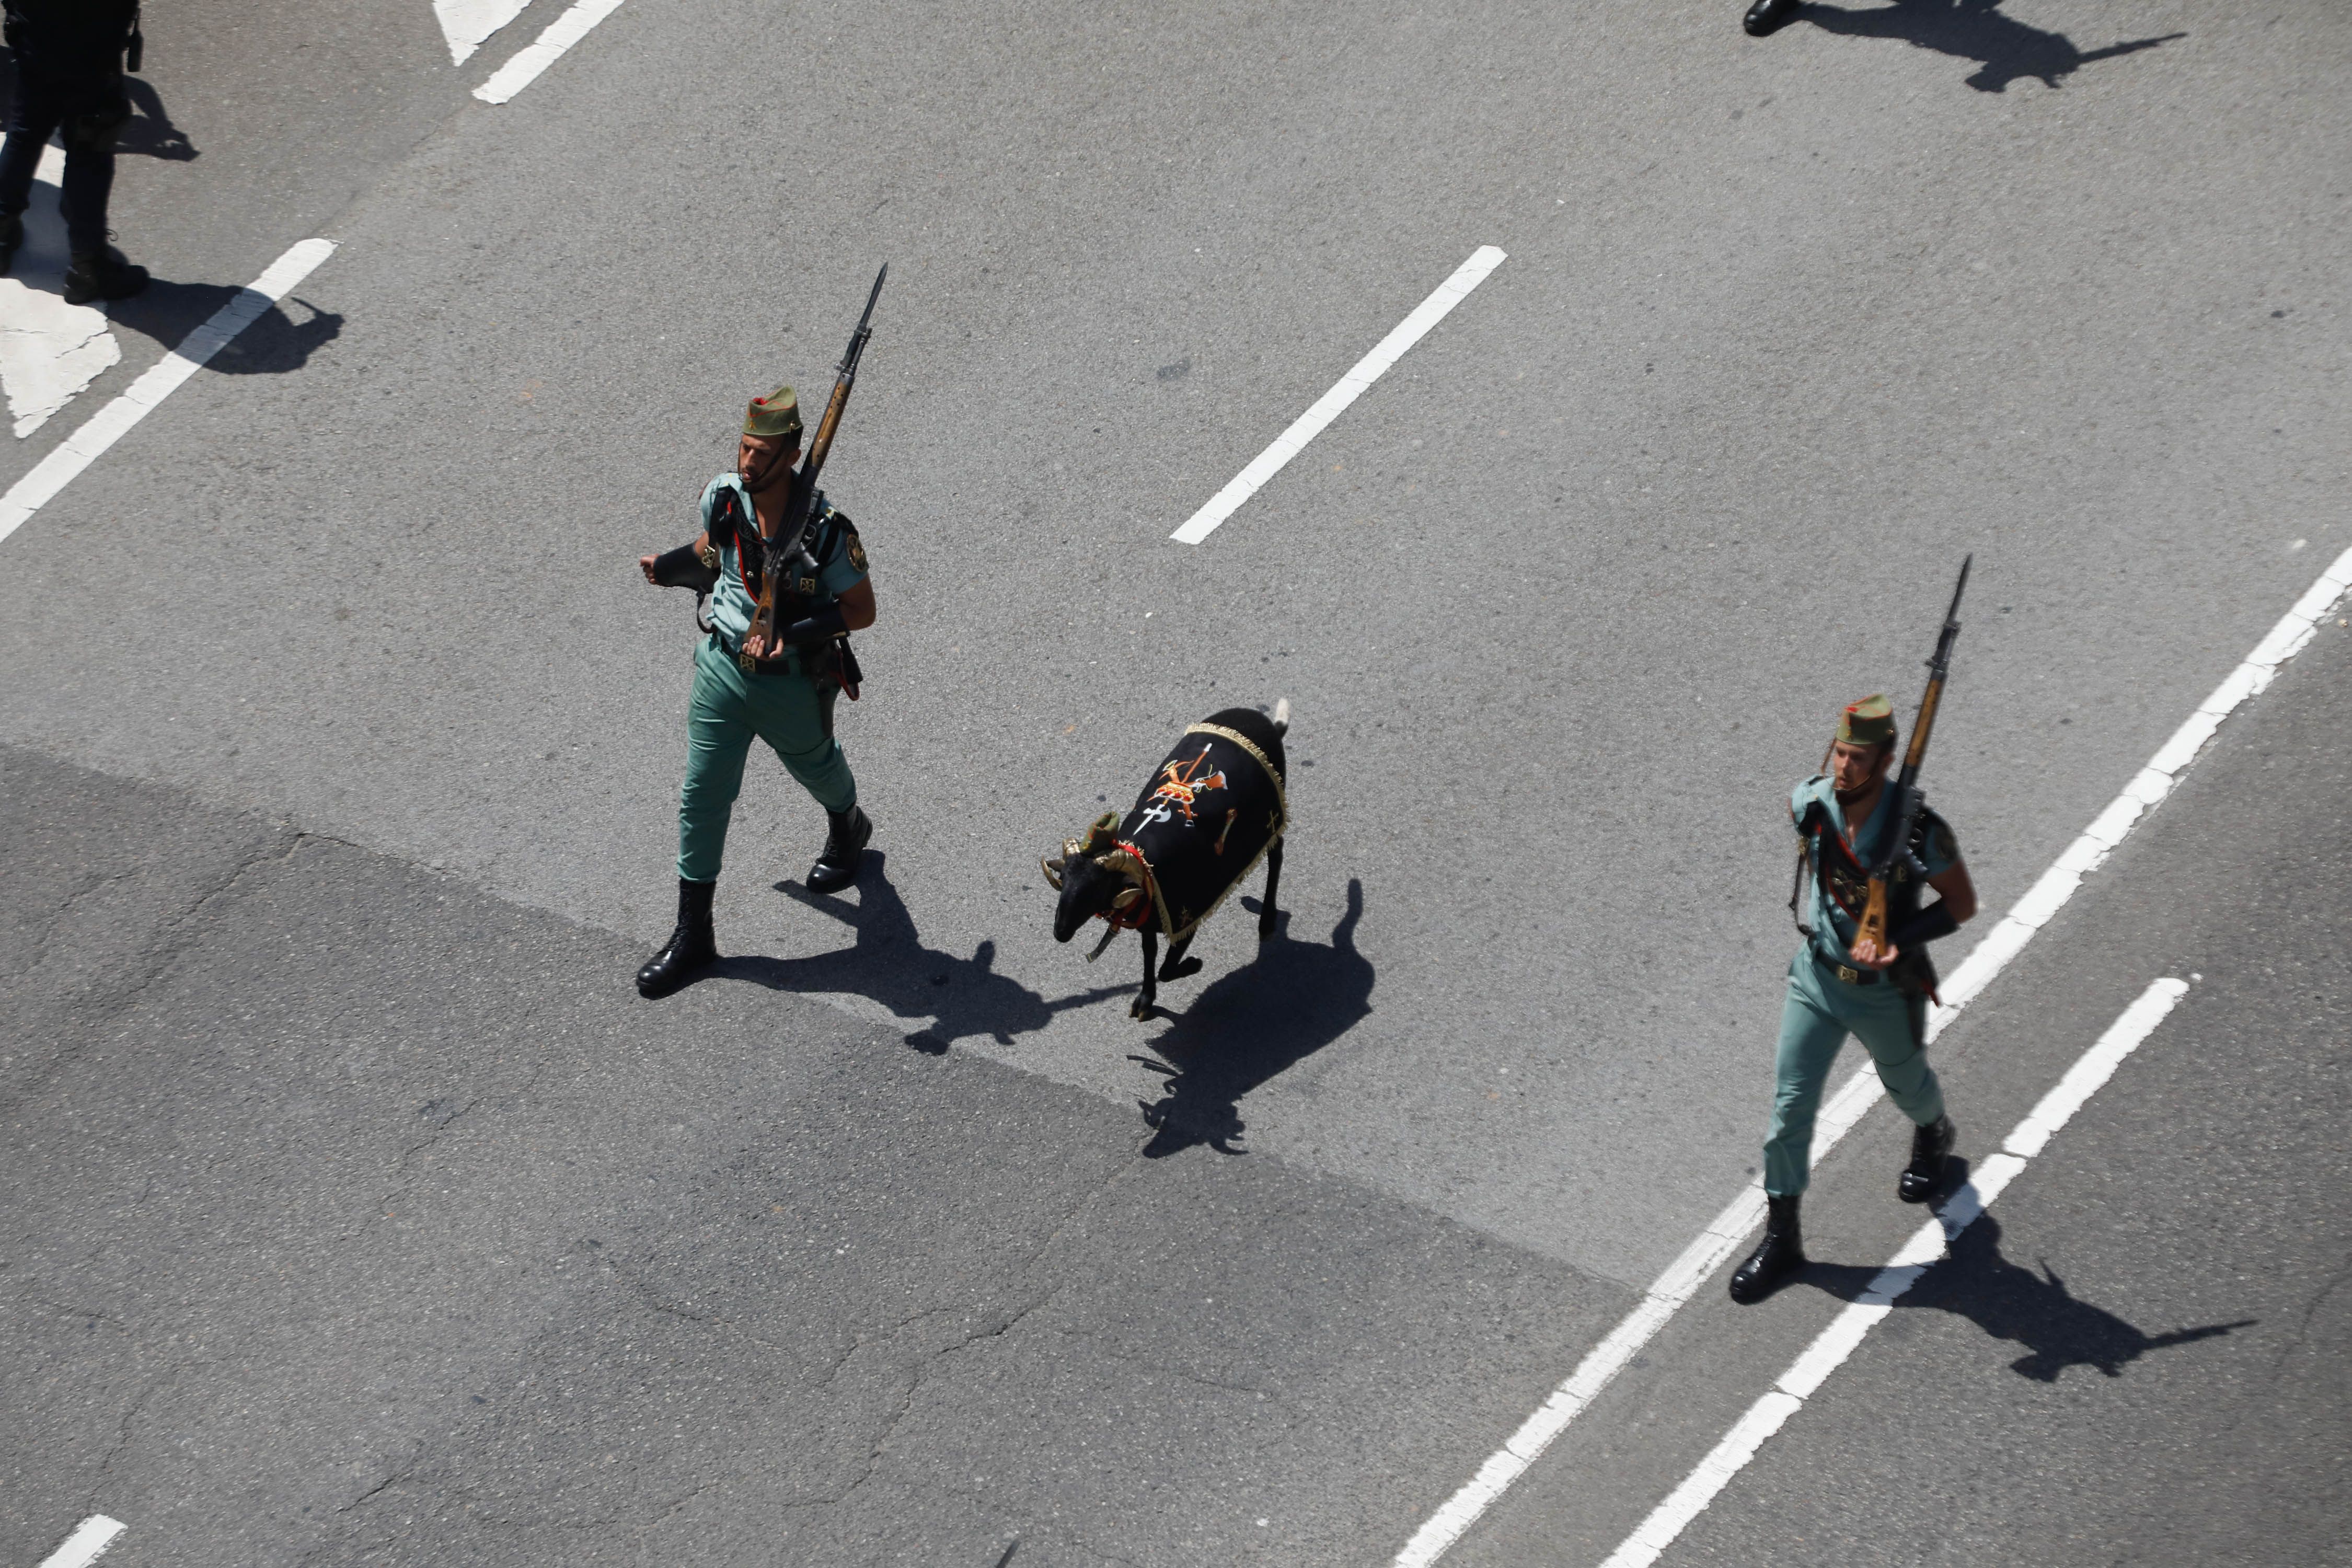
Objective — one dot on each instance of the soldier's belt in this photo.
(1850, 975)
(816, 663)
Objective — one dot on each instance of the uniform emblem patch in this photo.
(856, 551)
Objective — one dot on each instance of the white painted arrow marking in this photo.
(48, 350)
(466, 23)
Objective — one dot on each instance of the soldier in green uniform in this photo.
(745, 688)
(1840, 986)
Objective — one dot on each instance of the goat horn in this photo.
(1127, 900)
(1053, 869)
(1121, 863)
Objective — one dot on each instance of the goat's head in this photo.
(1094, 876)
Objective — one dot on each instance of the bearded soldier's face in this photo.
(756, 453)
(1856, 767)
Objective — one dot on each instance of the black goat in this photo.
(1216, 807)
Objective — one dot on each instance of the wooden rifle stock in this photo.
(1896, 850)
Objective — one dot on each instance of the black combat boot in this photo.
(845, 847)
(1930, 1147)
(1780, 1252)
(691, 947)
(1769, 16)
(102, 274)
(11, 235)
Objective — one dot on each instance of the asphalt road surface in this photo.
(357, 1210)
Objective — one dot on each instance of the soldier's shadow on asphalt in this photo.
(280, 339)
(1257, 1020)
(887, 962)
(2028, 1307)
(2004, 49)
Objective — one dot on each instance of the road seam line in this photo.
(66, 461)
(89, 1542)
(534, 57)
(1846, 1332)
(1329, 407)
(1722, 1235)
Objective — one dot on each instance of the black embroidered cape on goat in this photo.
(1207, 816)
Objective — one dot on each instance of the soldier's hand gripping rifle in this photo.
(1894, 851)
(788, 571)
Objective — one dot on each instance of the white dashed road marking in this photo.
(561, 34)
(49, 349)
(1326, 408)
(109, 424)
(1847, 1330)
(466, 23)
(90, 1538)
(1724, 1233)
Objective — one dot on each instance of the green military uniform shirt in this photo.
(1833, 927)
(832, 542)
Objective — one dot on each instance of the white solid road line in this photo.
(1368, 370)
(90, 1538)
(561, 34)
(1846, 1330)
(1724, 1234)
(109, 424)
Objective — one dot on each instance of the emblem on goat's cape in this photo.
(1181, 785)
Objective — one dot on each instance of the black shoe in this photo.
(691, 946)
(11, 235)
(1930, 1147)
(102, 274)
(1769, 16)
(1780, 1252)
(845, 847)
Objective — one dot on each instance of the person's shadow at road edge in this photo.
(2058, 1329)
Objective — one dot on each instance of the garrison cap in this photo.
(1869, 722)
(778, 413)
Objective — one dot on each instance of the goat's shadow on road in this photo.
(1258, 1020)
(887, 962)
(2007, 1301)
(2004, 49)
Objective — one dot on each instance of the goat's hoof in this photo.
(1142, 1009)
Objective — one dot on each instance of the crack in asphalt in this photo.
(176, 937)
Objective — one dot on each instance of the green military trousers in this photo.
(792, 713)
(1821, 1011)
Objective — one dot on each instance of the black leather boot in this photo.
(1769, 16)
(102, 274)
(691, 947)
(1930, 1147)
(845, 847)
(1780, 1252)
(11, 235)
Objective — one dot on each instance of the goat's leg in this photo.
(1273, 885)
(1142, 1009)
(1179, 966)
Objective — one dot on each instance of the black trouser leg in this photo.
(90, 179)
(32, 120)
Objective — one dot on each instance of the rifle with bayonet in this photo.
(789, 572)
(1894, 851)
